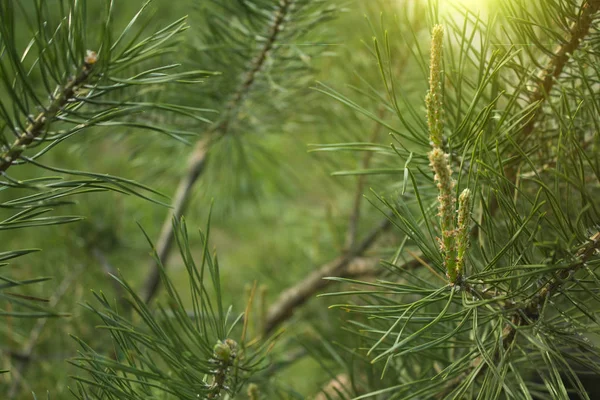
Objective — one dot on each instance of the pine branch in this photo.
(548, 77)
(156, 351)
(563, 53)
(82, 87)
(197, 159)
(257, 64)
(165, 241)
(37, 126)
(298, 294)
(529, 313)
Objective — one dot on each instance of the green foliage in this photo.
(61, 84)
(171, 353)
(266, 51)
(522, 320)
(481, 278)
(63, 75)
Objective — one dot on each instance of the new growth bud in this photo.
(434, 99)
(454, 240)
(225, 351)
(91, 57)
(222, 352)
(253, 393)
(462, 230)
(224, 355)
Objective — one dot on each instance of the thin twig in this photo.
(25, 356)
(549, 75)
(197, 160)
(165, 241)
(109, 270)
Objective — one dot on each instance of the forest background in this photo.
(279, 210)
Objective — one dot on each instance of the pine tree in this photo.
(511, 128)
(484, 218)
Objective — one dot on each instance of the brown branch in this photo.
(26, 355)
(549, 75)
(298, 294)
(165, 242)
(362, 267)
(345, 266)
(197, 160)
(258, 62)
(37, 126)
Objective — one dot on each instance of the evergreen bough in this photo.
(492, 289)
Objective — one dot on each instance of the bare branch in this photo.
(298, 294)
(165, 242)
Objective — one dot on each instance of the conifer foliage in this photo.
(260, 46)
(512, 127)
(68, 79)
(490, 199)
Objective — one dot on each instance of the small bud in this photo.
(222, 352)
(462, 237)
(232, 344)
(253, 393)
(91, 57)
(225, 351)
